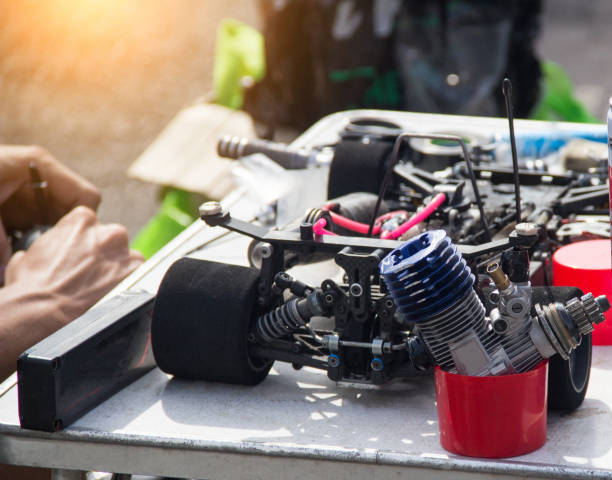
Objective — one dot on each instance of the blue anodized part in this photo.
(333, 360)
(426, 275)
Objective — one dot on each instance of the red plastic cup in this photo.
(587, 265)
(492, 417)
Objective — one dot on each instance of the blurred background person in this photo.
(440, 56)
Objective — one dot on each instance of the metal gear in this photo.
(592, 307)
(586, 312)
(576, 309)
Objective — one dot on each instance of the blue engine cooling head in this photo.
(425, 276)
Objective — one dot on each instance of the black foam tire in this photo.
(568, 380)
(201, 320)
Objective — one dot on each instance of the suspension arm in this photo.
(327, 243)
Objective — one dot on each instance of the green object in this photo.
(177, 211)
(239, 54)
(557, 99)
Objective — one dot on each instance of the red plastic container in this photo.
(492, 417)
(587, 265)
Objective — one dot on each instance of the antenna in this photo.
(507, 90)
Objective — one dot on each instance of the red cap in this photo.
(587, 265)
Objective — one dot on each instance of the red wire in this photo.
(352, 225)
(319, 228)
(438, 200)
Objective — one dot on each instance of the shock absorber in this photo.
(431, 285)
(291, 315)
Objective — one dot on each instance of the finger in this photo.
(66, 189)
(113, 238)
(13, 168)
(136, 255)
(12, 267)
(135, 260)
(83, 216)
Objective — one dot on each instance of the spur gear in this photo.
(576, 310)
(587, 311)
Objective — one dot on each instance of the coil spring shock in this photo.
(280, 322)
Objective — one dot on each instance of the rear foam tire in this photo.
(201, 320)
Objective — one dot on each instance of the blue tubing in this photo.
(425, 276)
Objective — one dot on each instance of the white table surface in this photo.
(298, 423)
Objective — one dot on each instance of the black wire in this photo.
(507, 90)
(386, 180)
(395, 158)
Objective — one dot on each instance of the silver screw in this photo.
(356, 290)
(210, 208)
(265, 250)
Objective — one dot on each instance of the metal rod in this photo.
(276, 354)
(431, 136)
(507, 89)
(369, 346)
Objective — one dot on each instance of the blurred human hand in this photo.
(65, 189)
(18, 207)
(73, 265)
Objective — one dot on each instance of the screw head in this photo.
(265, 250)
(333, 361)
(517, 308)
(500, 325)
(209, 209)
(377, 364)
(356, 290)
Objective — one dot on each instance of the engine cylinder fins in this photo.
(522, 352)
(425, 276)
(439, 332)
(431, 286)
